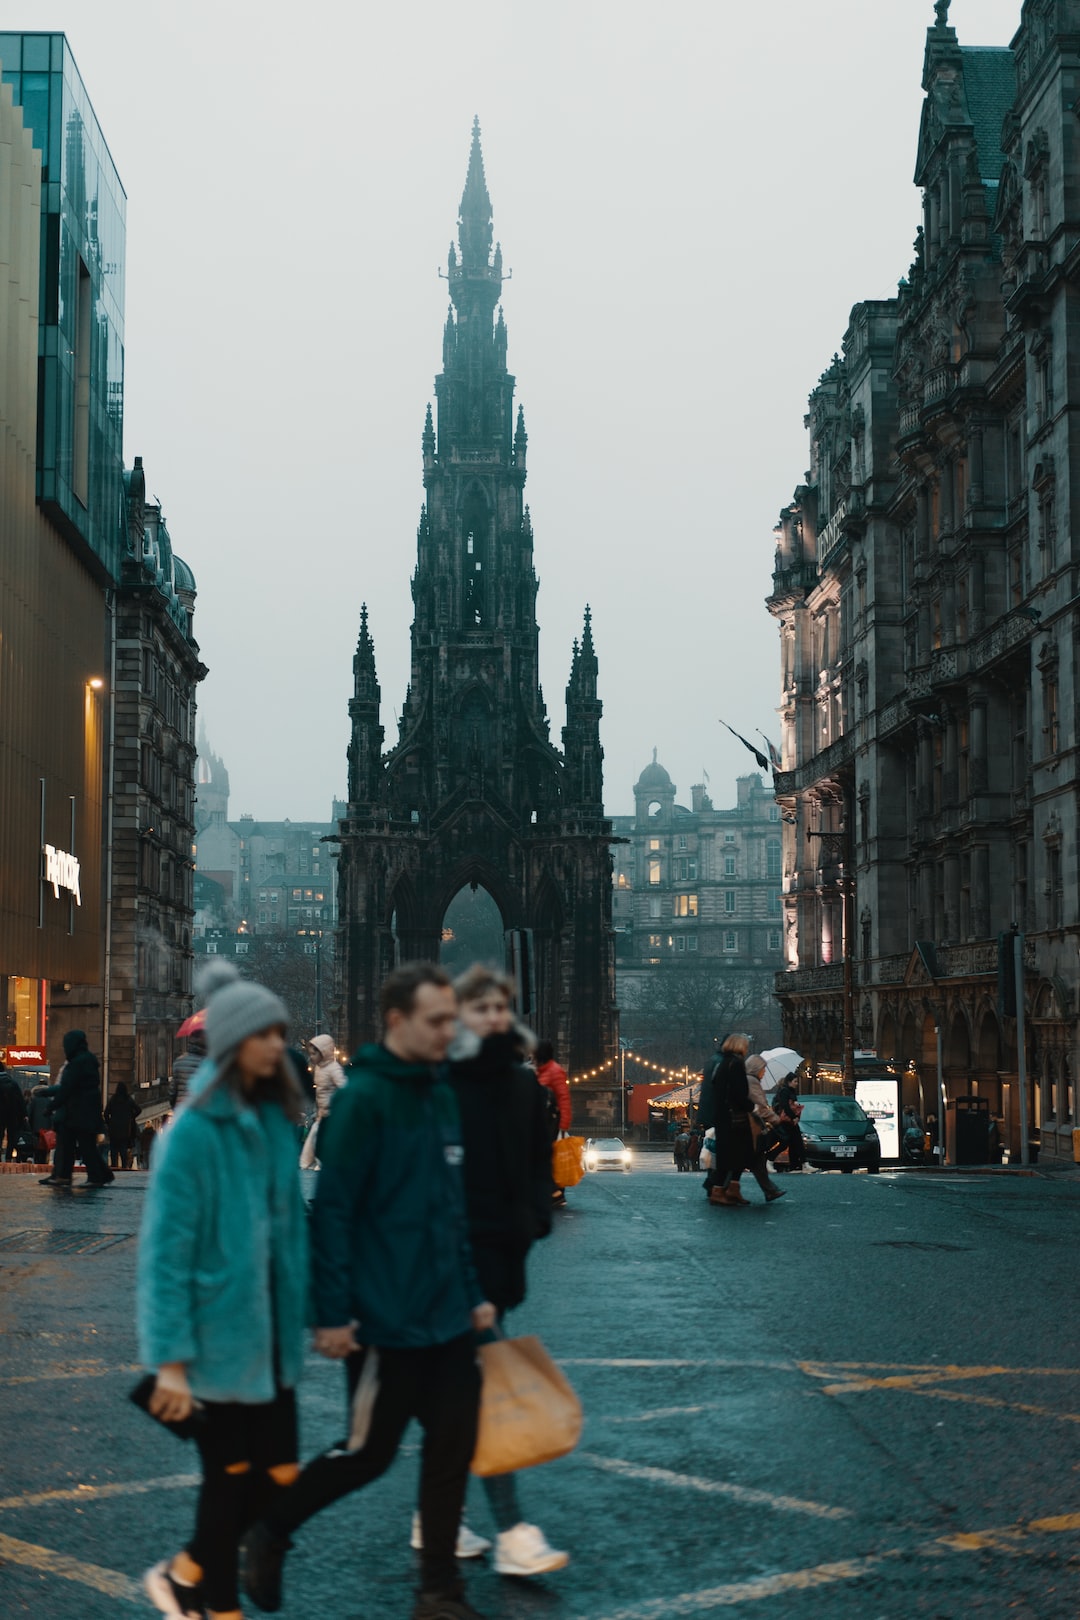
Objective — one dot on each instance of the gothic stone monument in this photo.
(474, 793)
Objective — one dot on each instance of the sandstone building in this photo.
(925, 590)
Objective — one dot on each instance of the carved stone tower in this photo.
(474, 792)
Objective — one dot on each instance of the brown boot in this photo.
(734, 1193)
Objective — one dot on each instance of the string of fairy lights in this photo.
(684, 1073)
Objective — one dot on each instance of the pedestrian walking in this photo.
(681, 1149)
(554, 1077)
(186, 1066)
(39, 1121)
(329, 1078)
(76, 1099)
(725, 1105)
(395, 1293)
(768, 1122)
(508, 1187)
(787, 1107)
(222, 1286)
(12, 1112)
(121, 1112)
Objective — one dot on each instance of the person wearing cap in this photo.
(221, 1296)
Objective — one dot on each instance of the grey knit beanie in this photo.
(235, 1008)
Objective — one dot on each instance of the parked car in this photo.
(838, 1134)
(607, 1153)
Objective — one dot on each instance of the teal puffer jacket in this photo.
(223, 1260)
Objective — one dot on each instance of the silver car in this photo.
(607, 1153)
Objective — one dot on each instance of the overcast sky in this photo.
(691, 197)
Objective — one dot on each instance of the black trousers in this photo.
(263, 1437)
(438, 1385)
(72, 1144)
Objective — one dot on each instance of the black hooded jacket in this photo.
(78, 1094)
(508, 1185)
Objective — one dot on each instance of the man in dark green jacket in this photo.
(395, 1292)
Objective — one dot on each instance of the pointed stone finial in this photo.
(586, 634)
(654, 756)
(474, 222)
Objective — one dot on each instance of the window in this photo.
(729, 838)
(654, 871)
(654, 907)
(729, 864)
(654, 942)
(774, 939)
(691, 942)
(774, 903)
(680, 943)
(1050, 711)
(774, 812)
(241, 947)
(772, 858)
(297, 894)
(80, 450)
(654, 843)
(731, 942)
(729, 902)
(686, 905)
(211, 947)
(682, 840)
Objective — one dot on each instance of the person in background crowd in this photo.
(681, 1148)
(759, 1103)
(508, 1187)
(395, 1293)
(222, 1286)
(693, 1149)
(12, 1112)
(39, 1120)
(787, 1107)
(121, 1112)
(725, 1106)
(147, 1141)
(186, 1066)
(554, 1077)
(329, 1078)
(76, 1099)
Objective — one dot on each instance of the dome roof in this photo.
(654, 779)
(183, 578)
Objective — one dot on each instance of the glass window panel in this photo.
(36, 53)
(10, 54)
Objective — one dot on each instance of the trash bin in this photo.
(972, 1130)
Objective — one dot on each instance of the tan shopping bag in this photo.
(529, 1414)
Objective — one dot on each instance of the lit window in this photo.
(297, 894)
(654, 942)
(686, 905)
(654, 843)
(654, 871)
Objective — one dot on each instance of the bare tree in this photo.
(676, 1010)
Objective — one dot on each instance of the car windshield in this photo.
(823, 1108)
(610, 1145)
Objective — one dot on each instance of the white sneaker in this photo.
(524, 1551)
(469, 1544)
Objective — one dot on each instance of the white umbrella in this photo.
(780, 1062)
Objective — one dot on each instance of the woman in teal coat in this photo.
(222, 1286)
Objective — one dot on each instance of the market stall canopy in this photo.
(681, 1097)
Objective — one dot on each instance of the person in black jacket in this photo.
(121, 1112)
(725, 1105)
(12, 1112)
(508, 1191)
(77, 1111)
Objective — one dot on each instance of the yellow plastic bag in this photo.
(529, 1413)
(568, 1161)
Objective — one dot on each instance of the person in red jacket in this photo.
(553, 1076)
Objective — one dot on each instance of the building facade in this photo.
(474, 792)
(71, 571)
(697, 913)
(925, 589)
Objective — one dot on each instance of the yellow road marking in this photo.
(52, 1373)
(98, 1493)
(48, 1562)
(713, 1487)
(925, 1381)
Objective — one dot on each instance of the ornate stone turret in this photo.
(474, 791)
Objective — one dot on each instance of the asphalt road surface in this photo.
(861, 1401)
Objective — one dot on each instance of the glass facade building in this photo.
(81, 333)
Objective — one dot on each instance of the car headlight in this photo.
(590, 1161)
(811, 1136)
(626, 1155)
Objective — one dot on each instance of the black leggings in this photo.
(263, 1437)
(440, 1386)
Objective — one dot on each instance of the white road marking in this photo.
(672, 1361)
(657, 1412)
(764, 1586)
(49, 1562)
(714, 1487)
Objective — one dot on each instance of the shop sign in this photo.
(24, 1057)
(62, 872)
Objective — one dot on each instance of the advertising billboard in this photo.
(880, 1099)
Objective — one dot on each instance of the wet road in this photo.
(863, 1400)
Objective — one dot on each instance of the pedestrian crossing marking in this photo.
(717, 1487)
(927, 1381)
(48, 1562)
